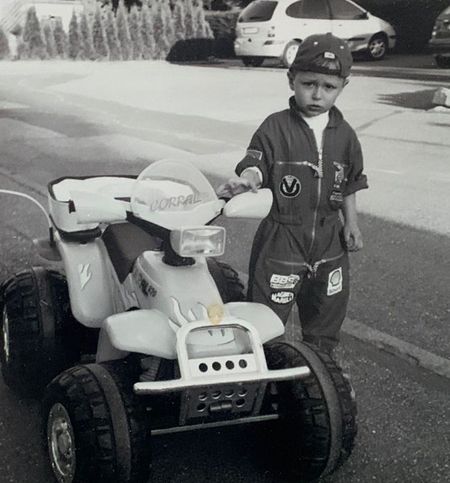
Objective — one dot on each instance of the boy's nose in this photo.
(317, 93)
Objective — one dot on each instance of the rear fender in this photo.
(140, 331)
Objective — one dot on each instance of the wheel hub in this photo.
(61, 443)
(291, 53)
(377, 48)
(6, 348)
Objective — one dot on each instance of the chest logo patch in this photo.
(290, 186)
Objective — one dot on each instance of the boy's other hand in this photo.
(236, 186)
(353, 237)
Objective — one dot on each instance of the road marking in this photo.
(387, 171)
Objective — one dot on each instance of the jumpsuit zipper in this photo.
(316, 266)
(319, 188)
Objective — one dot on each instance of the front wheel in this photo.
(317, 426)
(378, 47)
(94, 426)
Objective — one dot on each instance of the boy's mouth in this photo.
(315, 108)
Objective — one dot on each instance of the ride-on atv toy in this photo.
(174, 346)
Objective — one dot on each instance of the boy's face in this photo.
(315, 93)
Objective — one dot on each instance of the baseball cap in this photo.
(326, 46)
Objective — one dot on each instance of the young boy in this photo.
(311, 159)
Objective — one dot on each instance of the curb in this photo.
(411, 353)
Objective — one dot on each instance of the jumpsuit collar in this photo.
(335, 115)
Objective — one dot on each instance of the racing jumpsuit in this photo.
(298, 253)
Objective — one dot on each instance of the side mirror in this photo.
(96, 208)
(249, 205)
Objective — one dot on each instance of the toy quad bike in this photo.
(175, 347)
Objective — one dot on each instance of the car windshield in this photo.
(259, 11)
(174, 193)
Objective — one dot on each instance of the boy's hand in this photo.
(236, 186)
(353, 237)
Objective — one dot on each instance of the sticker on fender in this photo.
(282, 297)
(335, 281)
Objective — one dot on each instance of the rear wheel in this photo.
(252, 61)
(290, 51)
(317, 426)
(378, 47)
(36, 330)
(95, 427)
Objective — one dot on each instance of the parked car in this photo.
(439, 43)
(275, 28)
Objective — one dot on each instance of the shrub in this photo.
(412, 19)
(223, 25)
(4, 45)
(49, 40)
(123, 31)
(87, 46)
(148, 40)
(60, 36)
(134, 22)
(98, 35)
(74, 37)
(179, 17)
(33, 40)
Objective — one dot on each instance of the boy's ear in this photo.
(291, 78)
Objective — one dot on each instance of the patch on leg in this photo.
(334, 281)
(282, 297)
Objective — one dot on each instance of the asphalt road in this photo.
(404, 420)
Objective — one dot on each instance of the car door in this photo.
(307, 17)
(348, 20)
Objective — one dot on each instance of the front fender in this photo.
(139, 331)
(263, 318)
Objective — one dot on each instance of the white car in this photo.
(275, 28)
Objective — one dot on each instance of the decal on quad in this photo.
(85, 274)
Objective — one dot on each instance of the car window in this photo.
(309, 9)
(259, 11)
(343, 10)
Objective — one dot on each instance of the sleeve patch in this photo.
(254, 153)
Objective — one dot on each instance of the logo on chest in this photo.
(290, 186)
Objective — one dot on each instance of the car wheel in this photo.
(37, 330)
(290, 51)
(94, 427)
(317, 427)
(442, 61)
(378, 47)
(252, 61)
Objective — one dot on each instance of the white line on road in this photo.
(386, 171)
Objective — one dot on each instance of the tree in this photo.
(49, 37)
(61, 41)
(98, 35)
(112, 38)
(4, 45)
(123, 31)
(191, 27)
(74, 37)
(203, 29)
(34, 46)
(134, 22)
(87, 45)
(159, 31)
(169, 28)
(148, 40)
(179, 18)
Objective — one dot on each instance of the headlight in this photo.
(208, 241)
